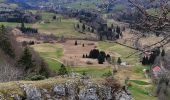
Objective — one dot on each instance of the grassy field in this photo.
(93, 71)
(65, 27)
(122, 51)
(142, 92)
(12, 24)
(84, 4)
(51, 53)
(140, 89)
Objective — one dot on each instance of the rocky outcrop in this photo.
(69, 90)
(32, 93)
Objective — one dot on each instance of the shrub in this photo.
(76, 43)
(119, 61)
(84, 73)
(83, 56)
(113, 83)
(35, 77)
(62, 70)
(89, 63)
(107, 74)
(163, 53)
(101, 59)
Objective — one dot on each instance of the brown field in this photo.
(73, 55)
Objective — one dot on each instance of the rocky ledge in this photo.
(62, 89)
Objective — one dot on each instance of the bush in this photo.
(119, 61)
(35, 77)
(84, 73)
(101, 59)
(163, 53)
(75, 43)
(107, 74)
(62, 70)
(89, 63)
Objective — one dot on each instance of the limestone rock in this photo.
(89, 93)
(60, 90)
(32, 93)
(72, 90)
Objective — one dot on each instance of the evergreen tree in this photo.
(112, 26)
(157, 51)
(152, 58)
(54, 17)
(5, 43)
(118, 29)
(89, 29)
(78, 26)
(121, 34)
(100, 59)
(86, 56)
(62, 70)
(163, 53)
(26, 59)
(76, 42)
(22, 25)
(144, 61)
(83, 56)
(94, 53)
(83, 27)
(119, 61)
(103, 54)
(92, 30)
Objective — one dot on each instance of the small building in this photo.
(156, 71)
(123, 64)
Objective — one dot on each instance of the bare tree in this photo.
(10, 73)
(150, 22)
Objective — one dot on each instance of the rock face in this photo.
(89, 92)
(71, 90)
(32, 93)
(60, 90)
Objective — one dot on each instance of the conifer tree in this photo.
(62, 70)
(83, 27)
(5, 43)
(78, 26)
(119, 61)
(100, 59)
(26, 59)
(75, 43)
(92, 30)
(83, 56)
(163, 53)
(118, 29)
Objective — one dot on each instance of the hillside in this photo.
(84, 50)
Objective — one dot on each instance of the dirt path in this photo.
(55, 59)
